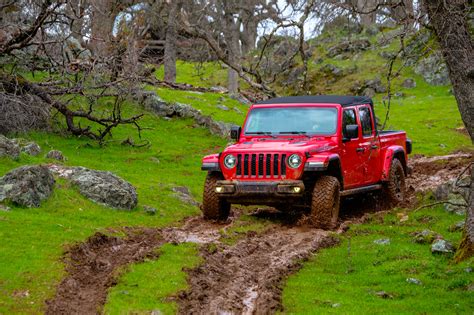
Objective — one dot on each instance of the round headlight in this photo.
(230, 161)
(294, 161)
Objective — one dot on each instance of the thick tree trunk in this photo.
(170, 43)
(449, 19)
(232, 36)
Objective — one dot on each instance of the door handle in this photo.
(360, 149)
(374, 147)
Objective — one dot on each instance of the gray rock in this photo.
(414, 281)
(387, 55)
(4, 208)
(468, 269)
(442, 191)
(376, 84)
(223, 107)
(369, 92)
(104, 188)
(442, 247)
(457, 227)
(433, 69)
(183, 194)
(456, 204)
(9, 148)
(425, 237)
(149, 210)
(32, 149)
(409, 83)
(348, 47)
(237, 110)
(384, 295)
(382, 241)
(56, 155)
(27, 185)
(332, 69)
(240, 98)
(372, 29)
(399, 94)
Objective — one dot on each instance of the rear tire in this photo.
(325, 202)
(394, 190)
(213, 207)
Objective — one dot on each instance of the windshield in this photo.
(292, 120)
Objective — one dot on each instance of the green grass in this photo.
(33, 240)
(147, 286)
(346, 278)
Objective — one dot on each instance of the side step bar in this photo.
(360, 190)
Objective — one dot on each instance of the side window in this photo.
(348, 118)
(365, 121)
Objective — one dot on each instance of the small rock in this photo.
(56, 155)
(468, 269)
(32, 149)
(223, 107)
(369, 92)
(399, 94)
(442, 191)
(382, 241)
(27, 185)
(149, 210)
(409, 83)
(335, 305)
(237, 110)
(4, 208)
(425, 237)
(155, 160)
(387, 55)
(442, 145)
(442, 247)
(384, 295)
(183, 194)
(456, 204)
(457, 226)
(414, 281)
(332, 69)
(9, 148)
(156, 312)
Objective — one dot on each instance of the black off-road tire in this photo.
(394, 190)
(325, 202)
(213, 207)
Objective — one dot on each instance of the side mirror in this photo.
(235, 132)
(352, 132)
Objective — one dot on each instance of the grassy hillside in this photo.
(33, 240)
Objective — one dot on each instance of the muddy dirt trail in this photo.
(243, 278)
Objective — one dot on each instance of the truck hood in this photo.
(285, 145)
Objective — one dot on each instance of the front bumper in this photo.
(285, 188)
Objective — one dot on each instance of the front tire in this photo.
(325, 202)
(213, 207)
(394, 190)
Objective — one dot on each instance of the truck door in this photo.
(351, 162)
(368, 148)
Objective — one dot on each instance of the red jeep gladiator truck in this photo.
(306, 152)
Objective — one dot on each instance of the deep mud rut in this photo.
(244, 278)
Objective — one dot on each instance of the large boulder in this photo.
(9, 148)
(433, 69)
(27, 185)
(104, 188)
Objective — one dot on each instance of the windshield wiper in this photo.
(259, 133)
(293, 132)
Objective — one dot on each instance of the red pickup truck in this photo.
(306, 152)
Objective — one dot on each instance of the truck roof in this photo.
(319, 99)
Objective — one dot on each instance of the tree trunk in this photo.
(170, 42)
(449, 20)
(232, 37)
(367, 13)
(102, 24)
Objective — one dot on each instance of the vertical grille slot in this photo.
(260, 164)
(253, 167)
(239, 165)
(283, 165)
(276, 173)
(246, 165)
(268, 165)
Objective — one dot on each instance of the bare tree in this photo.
(174, 7)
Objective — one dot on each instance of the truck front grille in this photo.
(261, 165)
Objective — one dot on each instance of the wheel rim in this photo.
(398, 181)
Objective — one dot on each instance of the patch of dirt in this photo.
(430, 172)
(91, 268)
(246, 278)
